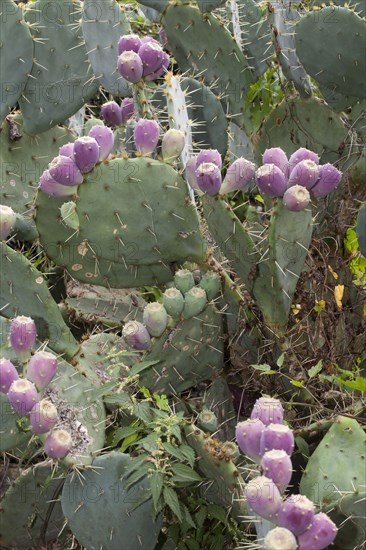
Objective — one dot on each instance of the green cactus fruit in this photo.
(70, 216)
(211, 284)
(207, 421)
(194, 302)
(173, 302)
(155, 318)
(184, 280)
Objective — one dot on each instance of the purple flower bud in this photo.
(23, 334)
(152, 56)
(53, 189)
(22, 396)
(7, 220)
(209, 155)
(271, 180)
(277, 466)
(319, 535)
(191, 167)
(161, 71)
(209, 178)
(130, 66)
(43, 417)
(268, 410)
(155, 318)
(8, 373)
(105, 139)
(296, 513)
(263, 497)
(136, 335)
(302, 154)
(296, 198)
(172, 144)
(65, 171)
(277, 436)
(279, 539)
(305, 173)
(248, 437)
(128, 43)
(238, 175)
(67, 150)
(112, 114)
(58, 444)
(329, 179)
(127, 109)
(146, 136)
(86, 153)
(42, 368)
(276, 156)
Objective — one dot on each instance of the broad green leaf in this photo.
(171, 499)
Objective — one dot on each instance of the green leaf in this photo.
(188, 454)
(172, 501)
(265, 369)
(137, 475)
(139, 367)
(174, 451)
(217, 512)
(102, 391)
(185, 473)
(315, 369)
(126, 431)
(201, 516)
(122, 400)
(143, 412)
(359, 383)
(297, 383)
(150, 442)
(302, 446)
(156, 486)
(188, 517)
(175, 430)
(281, 360)
(135, 463)
(162, 402)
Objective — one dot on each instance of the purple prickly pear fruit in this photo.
(305, 173)
(22, 396)
(172, 144)
(147, 39)
(130, 66)
(8, 373)
(209, 178)
(263, 497)
(42, 368)
(53, 189)
(329, 179)
(271, 180)
(86, 153)
(23, 334)
(302, 154)
(66, 150)
(152, 56)
(112, 114)
(319, 535)
(279, 539)
(7, 220)
(161, 71)
(268, 410)
(296, 513)
(58, 444)
(43, 417)
(127, 109)
(296, 198)
(277, 436)
(105, 139)
(136, 335)
(191, 167)
(238, 175)
(146, 135)
(65, 171)
(128, 43)
(155, 318)
(276, 156)
(248, 436)
(209, 155)
(277, 466)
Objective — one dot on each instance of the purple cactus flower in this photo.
(65, 171)
(7, 221)
(67, 150)
(302, 154)
(296, 198)
(276, 156)
(329, 179)
(296, 513)
(127, 109)
(8, 373)
(277, 436)
(248, 436)
(146, 136)
(191, 167)
(136, 335)
(319, 535)
(112, 114)
(263, 497)
(271, 180)
(22, 396)
(161, 71)
(42, 368)
(105, 139)
(155, 318)
(86, 153)
(277, 466)
(128, 43)
(23, 334)
(58, 444)
(238, 175)
(130, 66)
(53, 189)
(209, 155)
(152, 56)
(305, 173)
(209, 178)
(172, 145)
(43, 417)
(268, 410)
(279, 539)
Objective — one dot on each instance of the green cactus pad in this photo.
(219, 400)
(103, 24)
(135, 219)
(10, 434)
(349, 515)
(61, 80)
(31, 513)
(16, 55)
(158, 5)
(331, 45)
(107, 515)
